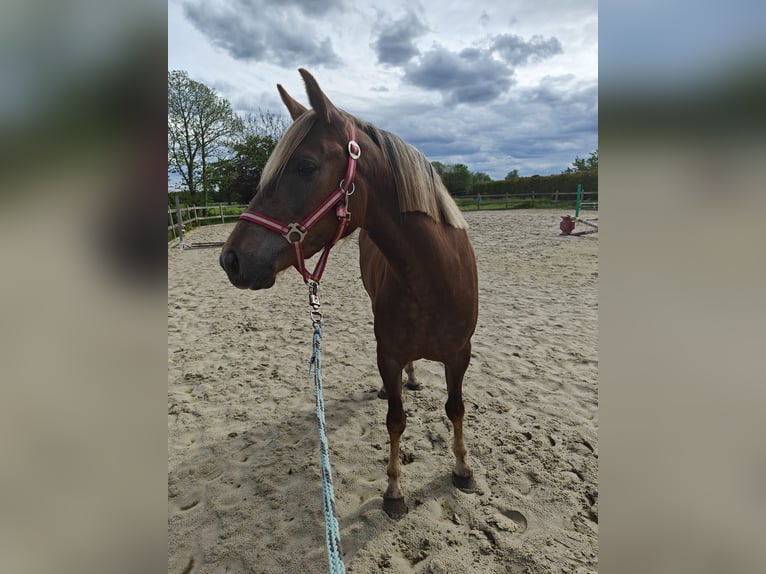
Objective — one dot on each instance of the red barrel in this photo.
(567, 225)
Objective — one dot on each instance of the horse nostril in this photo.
(230, 262)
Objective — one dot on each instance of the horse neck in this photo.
(414, 245)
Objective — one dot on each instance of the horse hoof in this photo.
(465, 483)
(382, 394)
(396, 508)
(414, 386)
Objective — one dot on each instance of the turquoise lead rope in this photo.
(332, 531)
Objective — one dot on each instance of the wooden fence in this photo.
(194, 216)
(526, 200)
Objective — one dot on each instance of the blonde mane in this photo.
(418, 186)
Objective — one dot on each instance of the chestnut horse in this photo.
(417, 263)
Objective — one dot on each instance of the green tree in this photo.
(513, 174)
(581, 164)
(237, 177)
(200, 124)
(592, 161)
(264, 124)
(479, 177)
(439, 167)
(457, 179)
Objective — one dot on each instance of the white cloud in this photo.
(497, 85)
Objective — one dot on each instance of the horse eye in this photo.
(306, 168)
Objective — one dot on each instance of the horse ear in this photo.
(319, 102)
(295, 108)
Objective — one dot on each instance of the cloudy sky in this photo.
(496, 85)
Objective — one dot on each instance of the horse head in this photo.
(307, 164)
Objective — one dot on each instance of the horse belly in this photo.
(412, 326)
(411, 330)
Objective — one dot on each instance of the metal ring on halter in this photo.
(295, 228)
(354, 150)
(353, 187)
(316, 317)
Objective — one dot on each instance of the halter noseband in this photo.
(294, 233)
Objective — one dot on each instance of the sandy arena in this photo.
(244, 482)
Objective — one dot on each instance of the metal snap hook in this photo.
(313, 295)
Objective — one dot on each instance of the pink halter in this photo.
(296, 232)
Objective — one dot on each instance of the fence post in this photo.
(556, 198)
(172, 224)
(506, 200)
(180, 223)
(478, 201)
(533, 198)
(220, 207)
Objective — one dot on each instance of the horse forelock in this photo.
(285, 148)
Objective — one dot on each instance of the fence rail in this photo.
(196, 215)
(526, 199)
(193, 215)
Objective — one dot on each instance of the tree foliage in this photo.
(479, 177)
(544, 186)
(439, 167)
(457, 179)
(264, 124)
(581, 164)
(200, 125)
(236, 177)
(584, 172)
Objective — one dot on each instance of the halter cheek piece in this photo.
(295, 233)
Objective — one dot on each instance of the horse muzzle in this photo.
(246, 274)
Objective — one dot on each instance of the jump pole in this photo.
(579, 201)
(567, 224)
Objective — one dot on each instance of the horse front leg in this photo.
(454, 370)
(396, 421)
